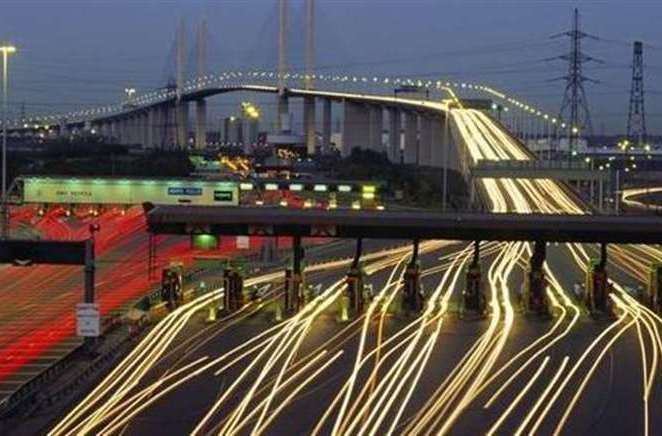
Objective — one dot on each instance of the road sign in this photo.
(25, 253)
(243, 243)
(87, 320)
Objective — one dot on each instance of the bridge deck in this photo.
(404, 225)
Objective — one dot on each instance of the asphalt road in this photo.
(610, 403)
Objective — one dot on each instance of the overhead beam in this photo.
(405, 225)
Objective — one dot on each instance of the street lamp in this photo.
(6, 50)
(129, 95)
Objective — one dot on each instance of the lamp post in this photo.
(6, 50)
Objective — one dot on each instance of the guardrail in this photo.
(486, 164)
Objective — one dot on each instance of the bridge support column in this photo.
(170, 127)
(126, 130)
(536, 300)
(355, 127)
(438, 143)
(157, 126)
(394, 135)
(63, 130)
(101, 129)
(182, 120)
(112, 131)
(145, 130)
(411, 146)
(375, 128)
(200, 124)
(413, 298)
(326, 124)
(294, 279)
(108, 131)
(137, 129)
(425, 147)
(133, 129)
(309, 124)
(123, 131)
(149, 129)
(141, 130)
(283, 118)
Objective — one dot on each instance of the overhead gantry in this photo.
(418, 226)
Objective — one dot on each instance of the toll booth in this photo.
(597, 286)
(474, 297)
(654, 286)
(413, 298)
(294, 279)
(233, 290)
(536, 283)
(354, 290)
(535, 299)
(294, 298)
(171, 286)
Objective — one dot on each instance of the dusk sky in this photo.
(75, 54)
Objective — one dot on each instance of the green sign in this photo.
(116, 191)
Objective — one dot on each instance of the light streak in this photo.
(518, 398)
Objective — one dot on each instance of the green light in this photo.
(320, 188)
(205, 242)
(344, 188)
(296, 187)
